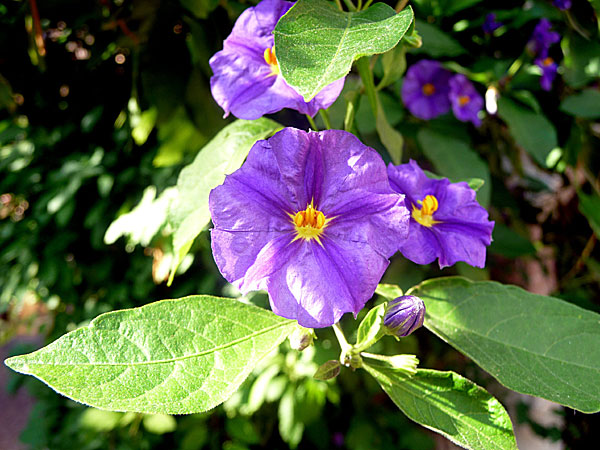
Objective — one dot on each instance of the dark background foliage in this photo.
(101, 99)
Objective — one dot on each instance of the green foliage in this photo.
(188, 213)
(436, 43)
(589, 205)
(172, 357)
(533, 344)
(531, 130)
(316, 43)
(449, 404)
(585, 104)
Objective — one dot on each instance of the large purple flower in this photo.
(549, 69)
(466, 101)
(246, 80)
(425, 89)
(446, 221)
(542, 38)
(311, 218)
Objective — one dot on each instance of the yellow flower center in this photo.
(463, 100)
(271, 60)
(309, 224)
(547, 61)
(424, 216)
(428, 89)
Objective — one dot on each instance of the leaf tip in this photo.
(18, 364)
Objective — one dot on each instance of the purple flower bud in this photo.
(542, 38)
(563, 5)
(490, 24)
(404, 315)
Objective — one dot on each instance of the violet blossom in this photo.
(446, 221)
(466, 101)
(404, 315)
(425, 89)
(563, 5)
(549, 69)
(542, 38)
(490, 24)
(310, 218)
(246, 80)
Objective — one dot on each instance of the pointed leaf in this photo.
(327, 370)
(316, 43)
(533, 344)
(172, 357)
(225, 153)
(450, 405)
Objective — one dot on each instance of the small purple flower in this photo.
(490, 24)
(425, 89)
(404, 315)
(542, 38)
(549, 69)
(563, 5)
(246, 80)
(311, 218)
(466, 101)
(446, 221)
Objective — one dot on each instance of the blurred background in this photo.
(103, 102)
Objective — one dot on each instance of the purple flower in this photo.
(404, 315)
(311, 218)
(542, 38)
(246, 80)
(446, 221)
(466, 101)
(425, 89)
(563, 5)
(549, 69)
(490, 24)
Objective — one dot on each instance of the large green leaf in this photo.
(453, 158)
(172, 357)
(533, 344)
(449, 404)
(531, 130)
(584, 104)
(225, 153)
(316, 43)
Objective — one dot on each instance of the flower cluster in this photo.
(539, 45)
(246, 80)
(429, 90)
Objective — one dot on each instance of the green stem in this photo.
(367, 4)
(339, 4)
(350, 5)
(325, 116)
(364, 69)
(346, 348)
(359, 6)
(514, 67)
(312, 123)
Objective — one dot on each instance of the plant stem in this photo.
(350, 5)
(312, 123)
(339, 5)
(367, 4)
(325, 116)
(364, 69)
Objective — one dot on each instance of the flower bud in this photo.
(404, 315)
(301, 338)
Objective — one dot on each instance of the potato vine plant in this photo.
(313, 218)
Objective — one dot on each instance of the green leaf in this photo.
(316, 43)
(172, 356)
(389, 291)
(533, 344)
(225, 153)
(589, 206)
(531, 130)
(327, 370)
(369, 328)
(160, 423)
(394, 65)
(453, 158)
(509, 243)
(436, 43)
(450, 405)
(584, 104)
(391, 138)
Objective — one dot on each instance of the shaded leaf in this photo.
(436, 43)
(508, 243)
(172, 357)
(448, 404)
(531, 343)
(328, 370)
(584, 104)
(316, 43)
(589, 205)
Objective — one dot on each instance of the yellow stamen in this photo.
(424, 216)
(428, 89)
(309, 223)
(271, 60)
(463, 100)
(547, 61)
